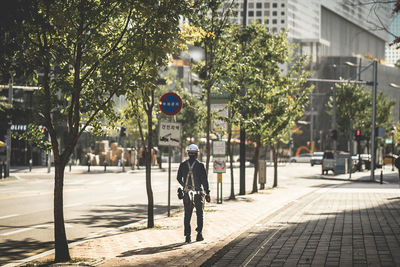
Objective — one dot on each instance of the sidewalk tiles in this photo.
(340, 224)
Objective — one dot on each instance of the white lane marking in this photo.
(18, 178)
(117, 198)
(122, 189)
(16, 231)
(39, 226)
(73, 205)
(29, 192)
(9, 216)
(95, 183)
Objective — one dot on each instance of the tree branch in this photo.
(113, 48)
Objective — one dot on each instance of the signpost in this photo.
(219, 165)
(170, 104)
(169, 133)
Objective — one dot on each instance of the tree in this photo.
(88, 52)
(254, 57)
(352, 103)
(213, 18)
(191, 117)
(355, 102)
(381, 26)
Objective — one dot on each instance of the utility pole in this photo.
(351, 147)
(9, 119)
(334, 126)
(312, 124)
(374, 89)
(242, 152)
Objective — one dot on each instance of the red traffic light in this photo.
(358, 133)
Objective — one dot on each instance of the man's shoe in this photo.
(199, 237)
(188, 239)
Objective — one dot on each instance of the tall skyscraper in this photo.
(324, 27)
(392, 54)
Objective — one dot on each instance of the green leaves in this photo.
(35, 135)
(266, 82)
(355, 102)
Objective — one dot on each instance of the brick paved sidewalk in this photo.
(353, 224)
(297, 218)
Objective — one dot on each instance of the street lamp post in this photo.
(374, 90)
(334, 125)
(242, 149)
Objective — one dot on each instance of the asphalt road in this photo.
(94, 203)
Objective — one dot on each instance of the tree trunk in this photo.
(230, 153)
(150, 206)
(60, 237)
(275, 149)
(208, 103)
(256, 157)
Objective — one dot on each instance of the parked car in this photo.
(303, 158)
(316, 158)
(328, 162)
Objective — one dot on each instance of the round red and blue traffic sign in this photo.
(170, 104)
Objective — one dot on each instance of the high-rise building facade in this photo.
(392, 54)
(324, 27)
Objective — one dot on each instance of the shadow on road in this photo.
(104, 216)
(12, 250)
(114, 216)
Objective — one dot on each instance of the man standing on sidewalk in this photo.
(193, 177)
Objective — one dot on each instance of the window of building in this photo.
(274, 13)
(274, 5)
(266, 13)
(266, 5)
(282, 21)
(283, 13)
(258, 5)
(274, 29)
(282, 5)
(267, 21)
(258, 21)
(258, 13)
(274, 21)
(241, 13)
(251, 5)
(251, 13)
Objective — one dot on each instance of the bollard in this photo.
(30, 165)
(105, 166)
(88, 166)
(1, 171)
(381, 176)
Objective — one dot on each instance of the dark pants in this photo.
(198, 203)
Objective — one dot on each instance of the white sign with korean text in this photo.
(169, 134)
(219, 148)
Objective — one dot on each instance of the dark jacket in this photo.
(199, 172)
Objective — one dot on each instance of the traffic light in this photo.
(357, 135)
